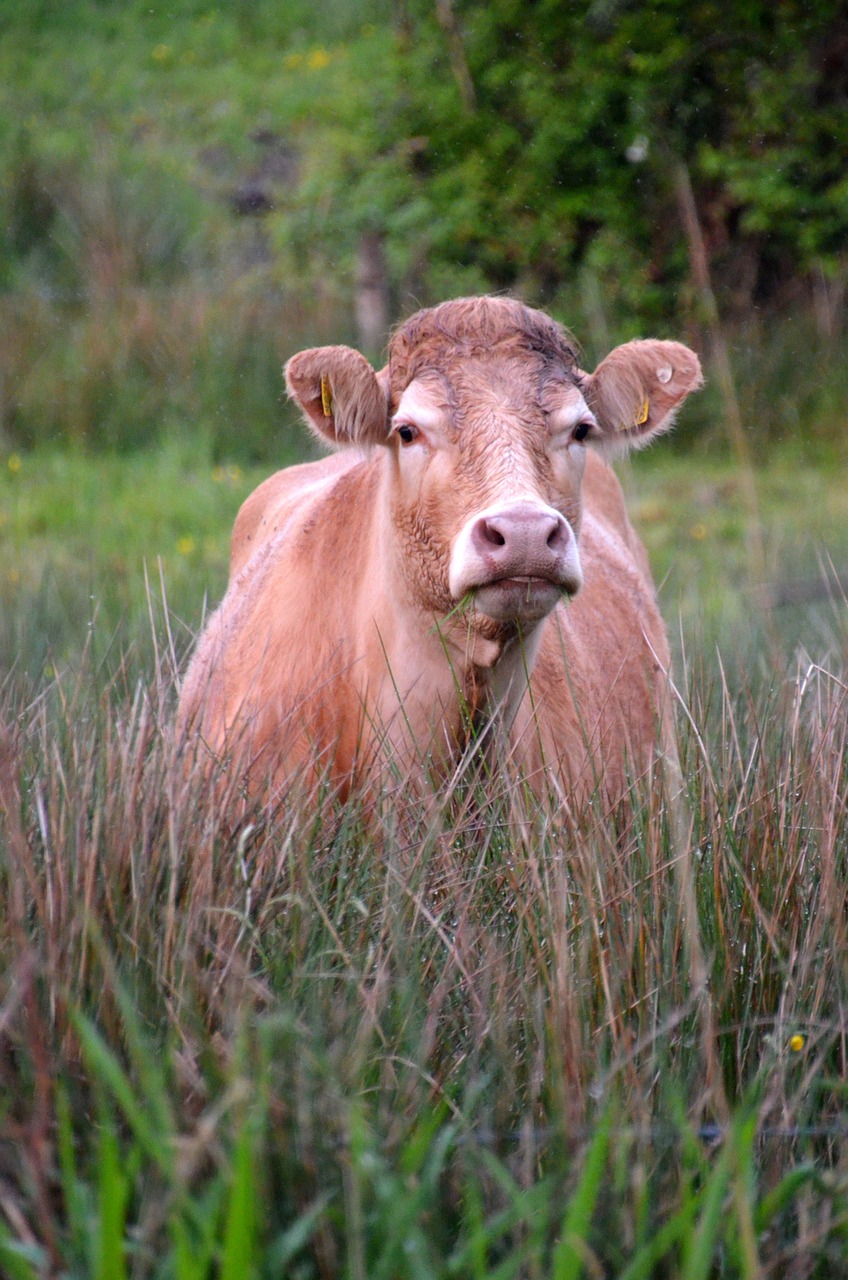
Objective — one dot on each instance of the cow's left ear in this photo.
(636, 391)
(345, 401)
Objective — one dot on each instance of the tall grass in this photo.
(235, 1041)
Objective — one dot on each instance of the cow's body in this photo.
(386, 598)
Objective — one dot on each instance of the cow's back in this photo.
(267, 510)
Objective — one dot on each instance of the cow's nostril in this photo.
(493, 535)
(558, 535)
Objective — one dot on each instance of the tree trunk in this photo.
(372, 293)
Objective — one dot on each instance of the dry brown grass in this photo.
(513, 976)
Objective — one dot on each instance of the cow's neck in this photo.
(498, 674)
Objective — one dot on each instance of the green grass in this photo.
(87, 541)
(243, 1043)
(691, 513)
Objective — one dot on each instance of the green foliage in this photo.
(535, 141)
(489, 145)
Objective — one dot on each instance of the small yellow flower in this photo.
(13, 576)
(797, 1042)
(292, 61)
(219, 475)
(161, 53)
(185, 545)
(14, 463)
(318, 59)
(698, 532)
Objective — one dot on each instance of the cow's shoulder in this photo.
(604, 506)
(267, 510)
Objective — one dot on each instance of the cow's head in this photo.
(486, 417)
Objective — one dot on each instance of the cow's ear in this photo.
(636, 391)
(344, 400)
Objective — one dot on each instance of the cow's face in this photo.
(488, 458)
(486, 419)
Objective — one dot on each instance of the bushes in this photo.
(488, 146)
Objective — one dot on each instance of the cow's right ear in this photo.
(344, 400)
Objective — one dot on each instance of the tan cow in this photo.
(467, 536)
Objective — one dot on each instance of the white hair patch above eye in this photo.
(572, 411)
(420, 404)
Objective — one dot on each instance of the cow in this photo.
(462, 560)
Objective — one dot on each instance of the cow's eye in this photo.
(407, 432)
(581, 431)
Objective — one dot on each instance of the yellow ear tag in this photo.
(643, 415)
(326, 396)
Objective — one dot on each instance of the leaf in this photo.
(108, 1071)
(568, 1256)
(642, 1265)
(113, 1193)
(240, 1228)
(19, 1261)
(702, 1246)
(779, 1197)
(297, 1236)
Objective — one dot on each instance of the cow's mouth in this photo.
(521, 597)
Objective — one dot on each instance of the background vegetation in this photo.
(187, 193)
(239, 1043)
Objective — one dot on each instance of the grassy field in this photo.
(476, 1042)
(236, 1043)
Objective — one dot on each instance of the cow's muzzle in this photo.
(518, 561)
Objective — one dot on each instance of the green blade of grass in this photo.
(699, 1253)
(678, 1228)
(297, 1236)
(113, 1193)
(526, 1207)
(146, 1061)
(108, 1071)
(776, 1200)
(19, 1261)
(240, 1227)
(72, 1188)
(193, 1229)
(568, 1256)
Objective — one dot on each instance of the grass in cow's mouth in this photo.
(462, 607)
(478, 1043)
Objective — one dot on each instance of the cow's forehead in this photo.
(453, 336)
(434, 400)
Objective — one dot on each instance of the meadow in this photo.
(246, 1043)
(480, 1041)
